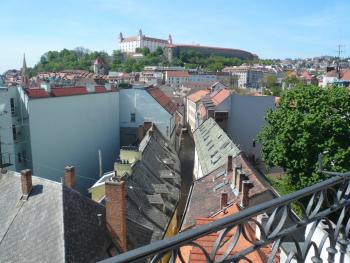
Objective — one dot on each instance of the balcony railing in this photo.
(323, 203)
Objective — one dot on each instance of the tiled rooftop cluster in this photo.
(70, 75)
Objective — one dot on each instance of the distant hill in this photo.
(82, 58)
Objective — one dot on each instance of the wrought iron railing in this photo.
(321, 204)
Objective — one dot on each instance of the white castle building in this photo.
(129, 44)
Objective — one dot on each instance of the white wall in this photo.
(6, 137)
(197, 169)
(70, 131)
(246, 119)
(146, 108)
(191, 114)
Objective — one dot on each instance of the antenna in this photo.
(339, 52)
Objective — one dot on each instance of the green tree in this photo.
(308, 120)
(269, 80)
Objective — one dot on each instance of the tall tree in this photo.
(308, 121)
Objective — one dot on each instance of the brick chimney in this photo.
(140, 133)
(240, 178)
(246, 186)
(211, 113)
(235, 179)
(146, 126)
(229, 164)
(69, 177)
(26, 182)
(223, 200)
(116, 211)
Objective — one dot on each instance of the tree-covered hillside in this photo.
(82, 58)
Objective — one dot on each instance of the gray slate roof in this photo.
(213, 146)
(55, 224)
(152, 191)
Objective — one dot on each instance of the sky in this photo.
(268, 28)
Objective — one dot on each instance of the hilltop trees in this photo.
(308, 121)
(80, 58)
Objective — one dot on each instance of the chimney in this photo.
(238, 167)
(69, 177)
(26, 182)
(229, 164)
(223, 200)
(116, 211)
(147, 125)
(211, 113)
(246, 185)
(140, 133)
(240, 178)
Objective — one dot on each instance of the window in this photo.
(254, 143)
(12, 103)
(132, 117)
(19, 157)
(24, 156)
(14, 133)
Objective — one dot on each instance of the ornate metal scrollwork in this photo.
(318, 233)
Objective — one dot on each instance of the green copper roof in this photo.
(213, 146)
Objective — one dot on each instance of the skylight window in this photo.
(225, 143)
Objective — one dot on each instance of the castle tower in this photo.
(121, 37)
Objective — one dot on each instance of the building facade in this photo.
(192, 107)
(139, 105)
(47, 129)
(246, 119)
(176, 78)
(130, 44)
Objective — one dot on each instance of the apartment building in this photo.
(47, 128)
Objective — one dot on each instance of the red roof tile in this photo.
(162, 99)
(100, 89)
(37, 93)
(197, 95)
(177, 74)
(307, 76)
(68, 91)
(220, 96)
(194, 254)
(346, 75)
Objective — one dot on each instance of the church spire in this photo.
(24, 77)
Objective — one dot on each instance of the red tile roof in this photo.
(346, 75)
(162, 99)
(177, 74)
(197, 95)
(220, 96)
(202, 191)
(100, 89)
(37, 93)
(68, 91)
(332, 73)
(194, 254)
(307, 76)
